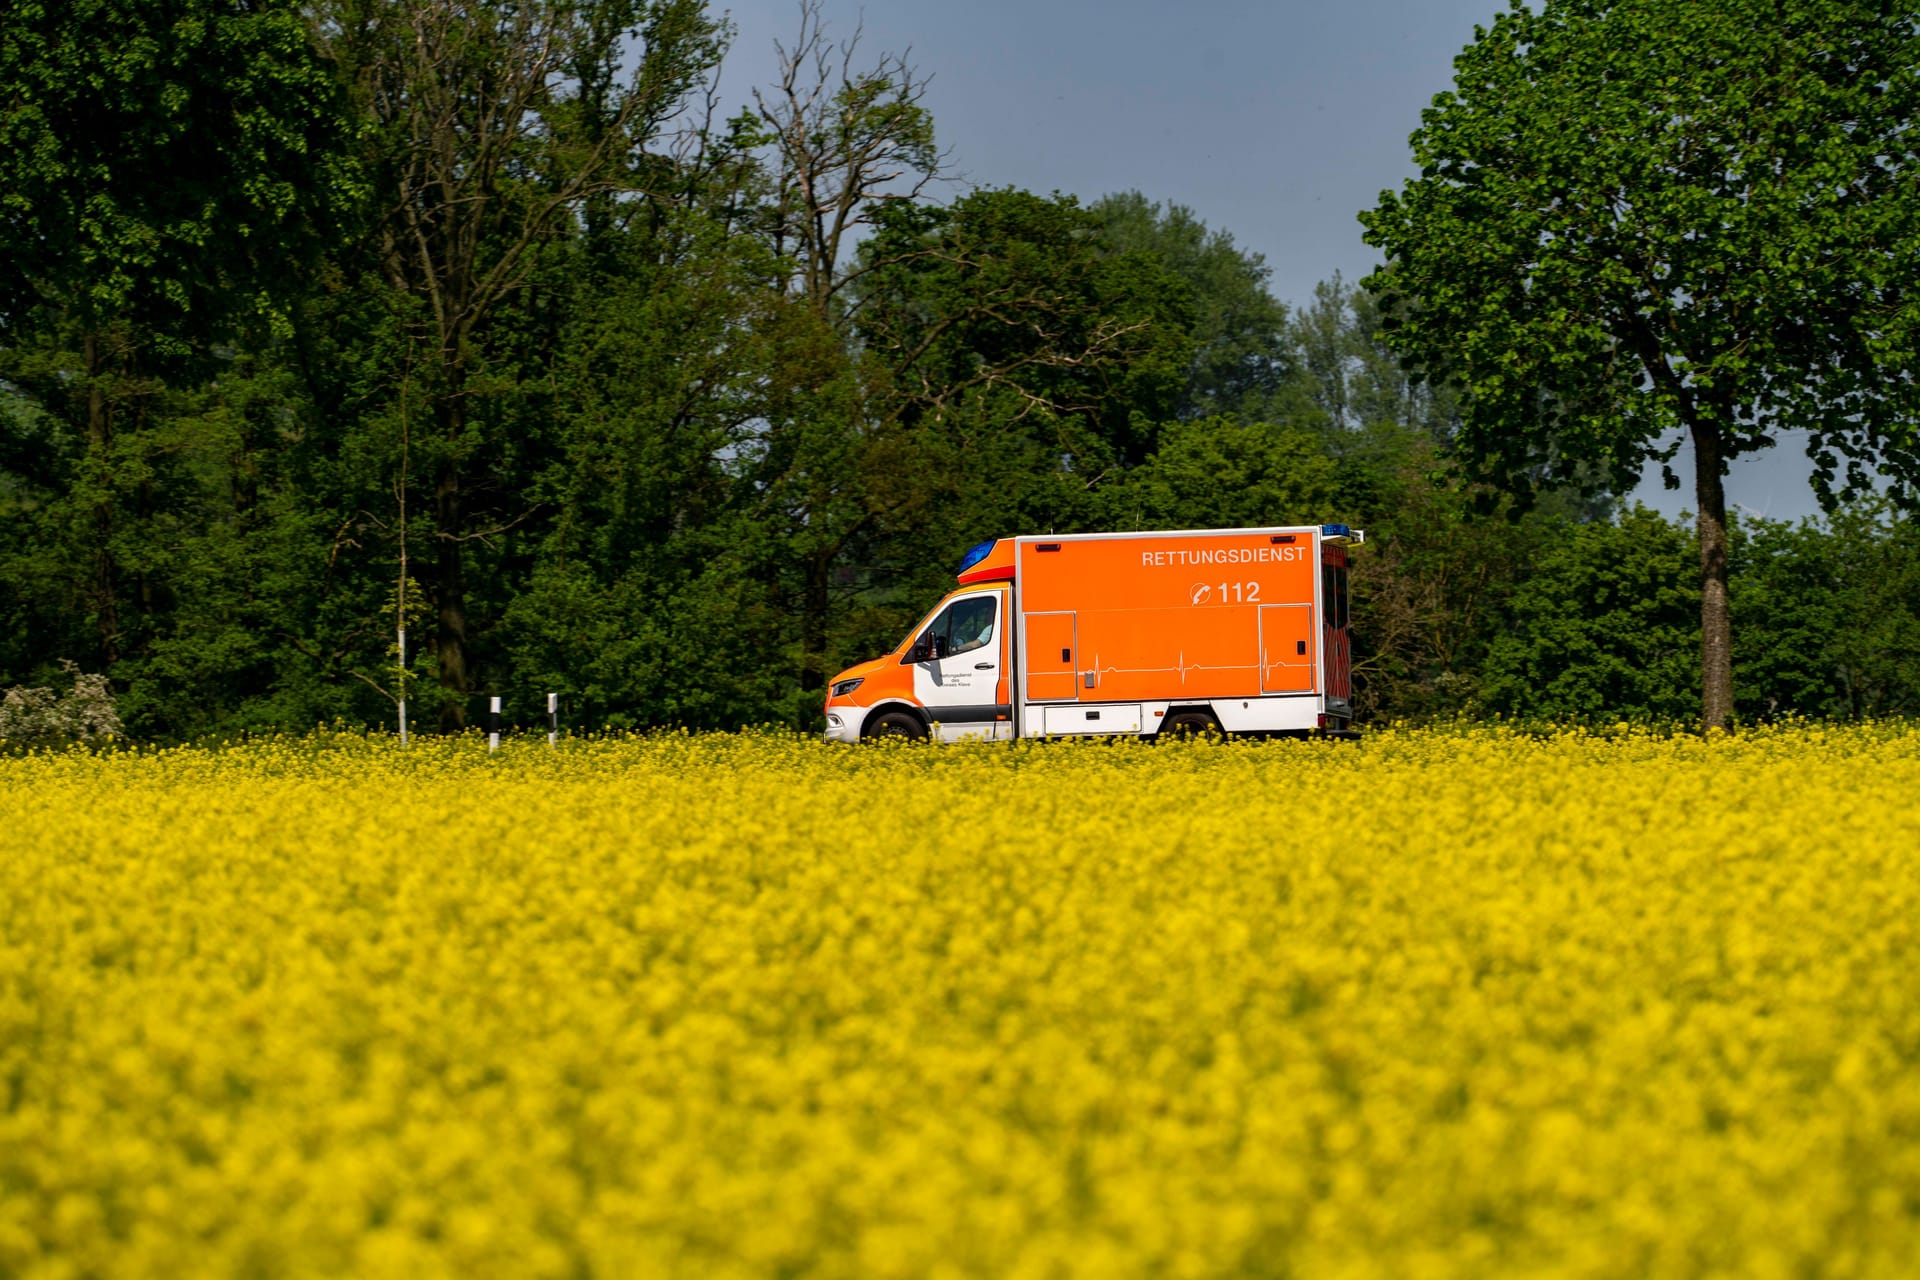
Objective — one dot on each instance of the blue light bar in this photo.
(975, 554)
(1335, 531)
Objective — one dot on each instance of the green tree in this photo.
(642, 604)
(1242, 359)
(1021, 364)
(1637, 219)
(1432, 585)
(1220, 473)
(166, 169)
(1009, 309)
(841, 143)
(1602, 629)
(1827, 614)
(497, 131)
(1352, 377)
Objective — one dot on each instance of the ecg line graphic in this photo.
(1181, 666)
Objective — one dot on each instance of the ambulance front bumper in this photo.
(843, 724)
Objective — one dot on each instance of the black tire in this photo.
(896, 725)
(1189, 724)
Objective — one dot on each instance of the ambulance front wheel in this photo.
(897, 724)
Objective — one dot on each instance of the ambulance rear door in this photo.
(1336, 633)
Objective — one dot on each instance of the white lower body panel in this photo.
(974, 731)
(1288, 714)
(1268, 715)
(848, 724)
(1083, 717)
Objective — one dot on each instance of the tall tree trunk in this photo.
(1716, 620)
(99, 442)
(450, 575)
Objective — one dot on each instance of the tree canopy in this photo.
(488, 319)
(163, 162)
(1642, 218)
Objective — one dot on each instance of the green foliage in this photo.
(1642, 219)
(1350, 374)
(1603, 629)
(162, 162)
(477, 298)
(1634, 216)
(1242, 361)
(168, 172)
(1432, 587)
(1009, 311)
(498, 132)
(1828, 618)
(1828, 615)
(1217, 473)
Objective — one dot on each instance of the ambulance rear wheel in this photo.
(1188, 724)
(897, 724)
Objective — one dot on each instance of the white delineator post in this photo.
(553, 718)
(493, 725)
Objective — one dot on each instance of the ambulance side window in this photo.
(963, 625)
(972, 624)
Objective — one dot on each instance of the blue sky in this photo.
(1277, 122)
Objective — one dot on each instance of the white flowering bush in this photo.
(43, 716)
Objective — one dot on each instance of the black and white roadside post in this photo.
(493, 725)
(553, 718)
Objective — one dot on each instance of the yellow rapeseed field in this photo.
(1442, 1004)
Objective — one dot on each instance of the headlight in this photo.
(846, 687)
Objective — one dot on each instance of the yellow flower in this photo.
(1448, 1003)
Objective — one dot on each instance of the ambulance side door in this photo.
(959, 664)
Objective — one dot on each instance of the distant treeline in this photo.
(676, 415)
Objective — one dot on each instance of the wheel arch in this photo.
(879, 709)
(1190, 710)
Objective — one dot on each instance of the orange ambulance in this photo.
(1239, 630)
